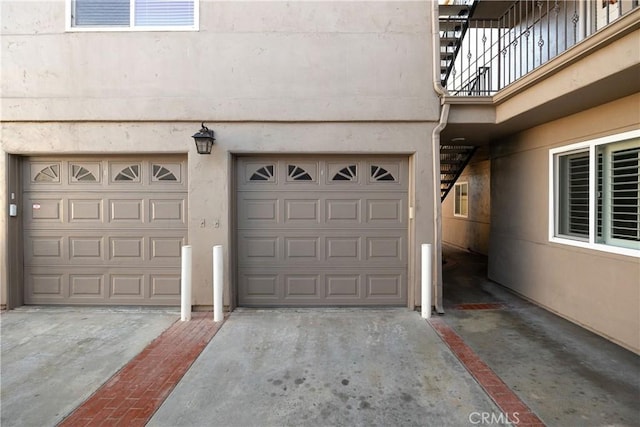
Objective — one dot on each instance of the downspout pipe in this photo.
(435, 155)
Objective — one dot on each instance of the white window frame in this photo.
(69, 27)
(554, 189)
(458, 202)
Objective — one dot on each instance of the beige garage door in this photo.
(104, 230)
(329, 231)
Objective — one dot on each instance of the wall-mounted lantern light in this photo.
(204, 140)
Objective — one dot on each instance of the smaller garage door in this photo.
(104, 230)
(322, 231)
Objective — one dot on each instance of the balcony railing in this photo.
(493, 53)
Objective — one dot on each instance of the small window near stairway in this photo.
(461, 199)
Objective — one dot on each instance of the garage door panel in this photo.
(343, 286)
(330, 248)
(126, 286)
(385, 286)
(259, 248)
(302, 249)
(44, 210)
(128, 249)
(167, 211)
(164, 286)
(47, 248)
(86, 249)
(343, 249)
(166, 250)
(257, 210)
(386, 212)
(302, 212)
(302, 286)
(329, 231)
(85, 211)
(87, 286)
(308, 287)
(260, 286)
(104, 231)
(47, 284)
(126, 210)
(343, 212)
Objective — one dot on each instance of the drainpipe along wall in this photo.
(435, 139)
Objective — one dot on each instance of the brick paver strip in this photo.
(480, 306)
(133, 394)
(508, 402)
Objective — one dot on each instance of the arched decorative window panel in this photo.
(125, 172)
(348, 173)
(165, 172)
(45, 173)
(264, 173)
(296, 173)
(302, 172)
(383, 172)
(85, 172)
(378, 173)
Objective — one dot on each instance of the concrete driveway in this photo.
(53, 358)
(324, 367)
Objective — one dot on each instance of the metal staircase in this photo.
(454, 22)
(453, 160)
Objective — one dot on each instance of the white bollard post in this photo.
(185, 284)
(426, 280)
(217, 283)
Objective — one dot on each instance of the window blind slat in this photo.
(102, 13)
(625, 194)
(164, 12)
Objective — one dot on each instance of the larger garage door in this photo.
(329, 231)
(104, 231)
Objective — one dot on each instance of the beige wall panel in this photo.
(302, 61)
(596, 289)
(471, 232)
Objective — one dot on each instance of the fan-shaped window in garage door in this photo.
(162, 173)
(129, 173)
(50, 173)
(81, 173)
(265, 173)
(379, 173)
(296, 173)
(348, 173)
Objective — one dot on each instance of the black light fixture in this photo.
(204, 140)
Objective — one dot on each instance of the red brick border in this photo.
(133, 394)
(480, 306)
(509, 403)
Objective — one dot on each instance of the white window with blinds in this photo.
(595, 194)
(144, 15)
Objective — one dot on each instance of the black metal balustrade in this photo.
(479, 57)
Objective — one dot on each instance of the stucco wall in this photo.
(263, 60)
(472, 232)
(596, 289)
(267, 76)
(210, 184)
